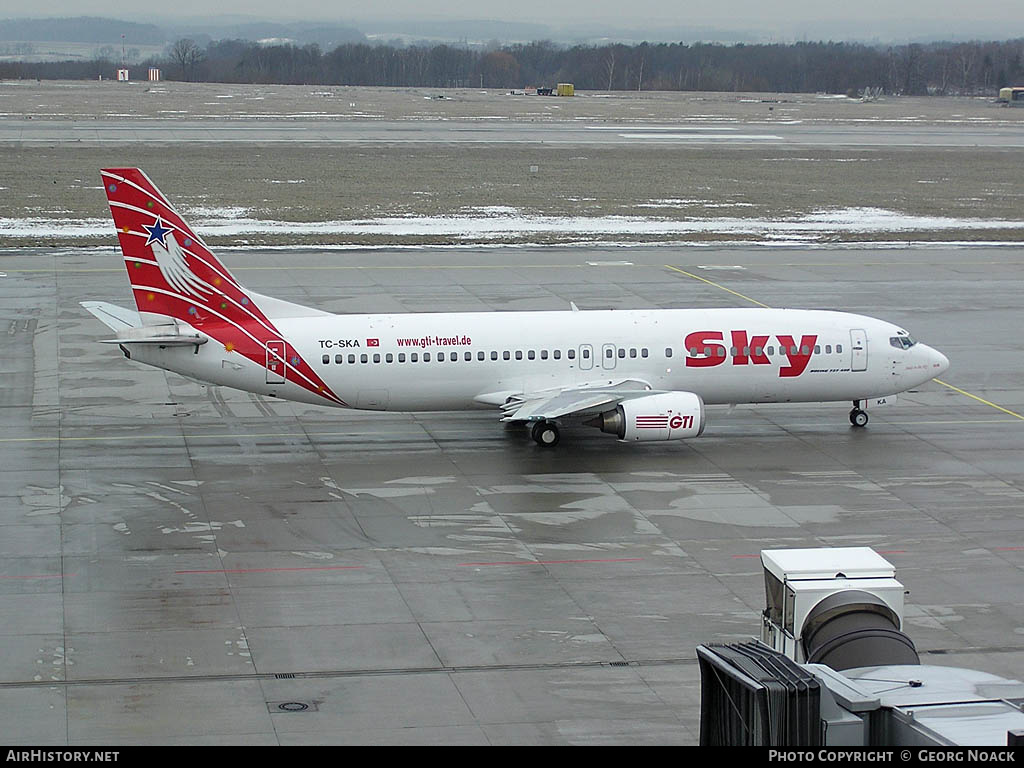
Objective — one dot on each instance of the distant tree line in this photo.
(912, 69)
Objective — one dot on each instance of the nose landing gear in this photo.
(858, 417)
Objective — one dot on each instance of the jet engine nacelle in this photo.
(666, 416)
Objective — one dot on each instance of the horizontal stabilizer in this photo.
(130, 330)
(167, 335)
(163, 341)
(114, 317)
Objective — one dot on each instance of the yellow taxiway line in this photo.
(979, 399)
(716, 285)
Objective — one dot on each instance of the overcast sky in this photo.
(787, 18)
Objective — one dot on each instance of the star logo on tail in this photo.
(157, 233)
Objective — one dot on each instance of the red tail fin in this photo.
(174, 275)
(172, 271)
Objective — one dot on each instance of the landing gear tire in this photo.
(546, 434)
(858, 417)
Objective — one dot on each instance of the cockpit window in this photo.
(902, 342)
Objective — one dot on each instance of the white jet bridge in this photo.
(833, 667)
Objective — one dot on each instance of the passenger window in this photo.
(519, 354)
(414, 357)
(733, 351)
(506, 355)
(828, 349)
(401, 357)
(839, 349)
(543, 354)
(557, 354)
(693, 351)
(608, 353)
(632, 352)
(719, 351)
(586, 354)
(453, 356)
(389, 358)
(351, 359)
(817, 349)
(531, 355)
(364, 358)
(759, 351)
(426, 357)
(571, 354)
(668, 352)
(326, 359)
(805, 350)
(440, 357)
(771, 350)
(794, 350)
(338, 359)
(622, 353)
(468, 356)
(480, 356)
(494, 355)
(707, 351)
(376, 357)
(643, 352)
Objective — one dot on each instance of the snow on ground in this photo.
(495, 223)
(200, 214)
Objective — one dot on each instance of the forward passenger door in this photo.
(858, 350)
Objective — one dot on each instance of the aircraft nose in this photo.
(940, 363)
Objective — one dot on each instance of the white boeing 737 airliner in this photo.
(638, 374)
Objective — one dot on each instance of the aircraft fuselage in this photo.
(451, 361)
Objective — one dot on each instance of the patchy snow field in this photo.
(507, 224)
(304, 193)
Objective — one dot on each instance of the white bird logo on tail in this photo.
(173, 266)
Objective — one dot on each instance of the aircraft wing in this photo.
(581, 400)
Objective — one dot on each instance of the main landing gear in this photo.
(546, 434)
(858, 417)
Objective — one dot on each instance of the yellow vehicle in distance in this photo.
(1013, 96)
